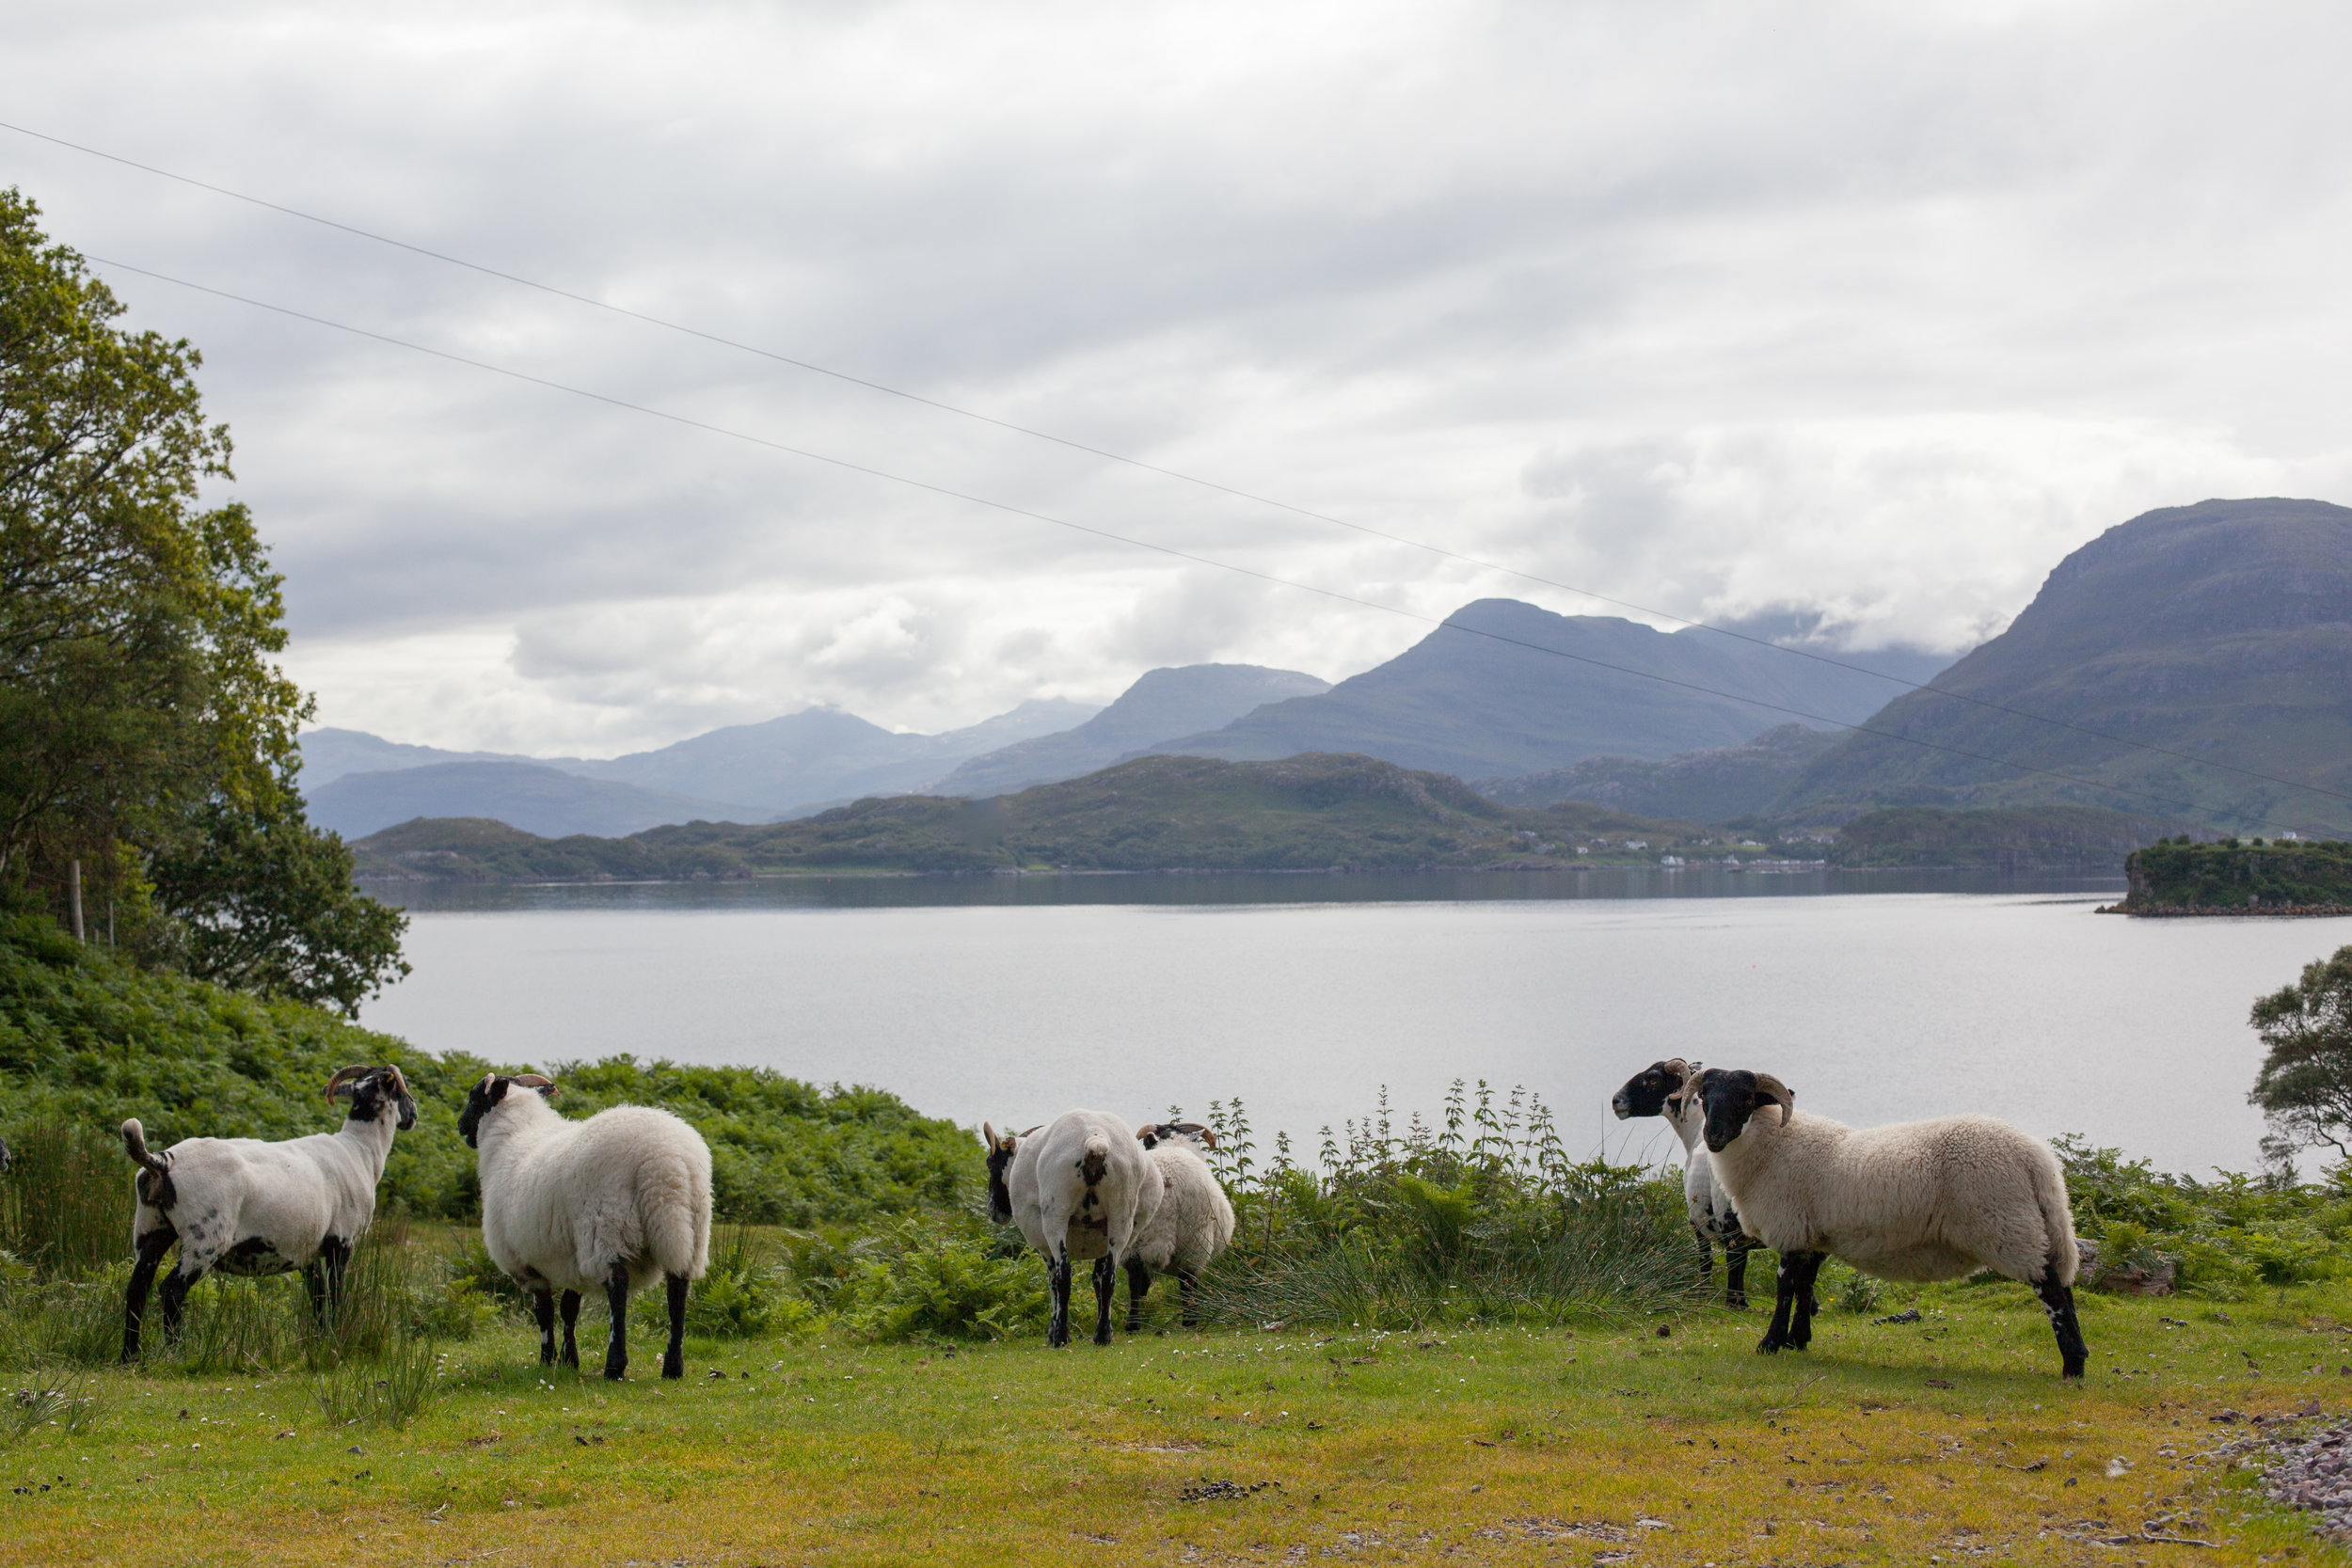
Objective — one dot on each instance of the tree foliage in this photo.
(140, 703)
(2305, 1085)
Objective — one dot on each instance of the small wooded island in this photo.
(2290, 877)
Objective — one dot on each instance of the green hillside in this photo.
(1311, 813)
(2079, 838)
(2219, 632)
(88, 1039)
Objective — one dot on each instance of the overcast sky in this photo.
(1878, 310)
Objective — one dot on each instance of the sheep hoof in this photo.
(674, 1367)
(616, 1371)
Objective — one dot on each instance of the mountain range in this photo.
(2219, 632)
(1505, 689)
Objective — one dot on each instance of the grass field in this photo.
(1950, 1440)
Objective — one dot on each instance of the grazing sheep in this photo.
(1081, 1189)
(1195, 1219)
(247, 1207)
(1648, 1093)
(1916, 1200)
(603, 1204)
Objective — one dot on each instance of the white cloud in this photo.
(1876, 310)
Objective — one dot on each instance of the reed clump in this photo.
(1480, 1218)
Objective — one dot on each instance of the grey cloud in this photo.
(1869, 313)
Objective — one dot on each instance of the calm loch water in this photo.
(1013, 999)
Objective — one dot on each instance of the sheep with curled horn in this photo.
(609, 1203)
(1913, 1200)
(244, 1206)
(1193, 1224)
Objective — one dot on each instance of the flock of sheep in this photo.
(615, 1200)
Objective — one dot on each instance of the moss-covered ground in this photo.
(1946, 1440)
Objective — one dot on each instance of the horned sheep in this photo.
(609, 1203)
(1080, 1189)
(1915, 1200)
(1652, 1092)
(247, 1207)
(1195, 1219)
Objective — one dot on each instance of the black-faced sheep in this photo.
(609, 1203)
(1193, 1222)
(247, 1207)
(1915, 1200)
(1654, 1091)
(1079, 1189)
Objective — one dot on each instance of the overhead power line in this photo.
(1252, 496)
(1443, 624)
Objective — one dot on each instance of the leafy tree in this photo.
(140, 700)
(263, 902)
(2305, 1085)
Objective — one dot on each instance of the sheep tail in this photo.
(2057, 1220)
(154, 1179)
(1097, 1160)
(676, 1205)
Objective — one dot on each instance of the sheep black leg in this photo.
(2058, 1301)
(1105, 1285)
(616, 1297)
(674, 1359)
(570, 1305)
(152, 1248)
(1795, 1280)
(335, 1263)
(1188, 1282)
(543, 1308)
(175, 1294)
(1736, 1274)
(1801, 1335)
(1138, 1286)
(314, 1285)
(1057, 1284)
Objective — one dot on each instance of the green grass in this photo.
(1951, 1437)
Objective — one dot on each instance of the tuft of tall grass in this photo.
(62, 1397)
(66, 1204)
(390, 1391)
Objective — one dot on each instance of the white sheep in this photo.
(607, 1204)
(247, 1207)
(1079, 1189)
(1915, 1200)
(1648, 1093)
(1193, 1222)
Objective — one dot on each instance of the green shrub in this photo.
(922, 1280)
(1481, 1218)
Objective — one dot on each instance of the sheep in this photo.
(1195, 1221)
(606, 1203)
(1916, 1200)
(1646, 1094)
(1082, 1189)
(247, 1207)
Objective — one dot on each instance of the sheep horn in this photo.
(344, 1075)
(532, 1081)
(400, 1081)
(1778, 1093)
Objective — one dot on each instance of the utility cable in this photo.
(845, 464)
(1137, 462)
